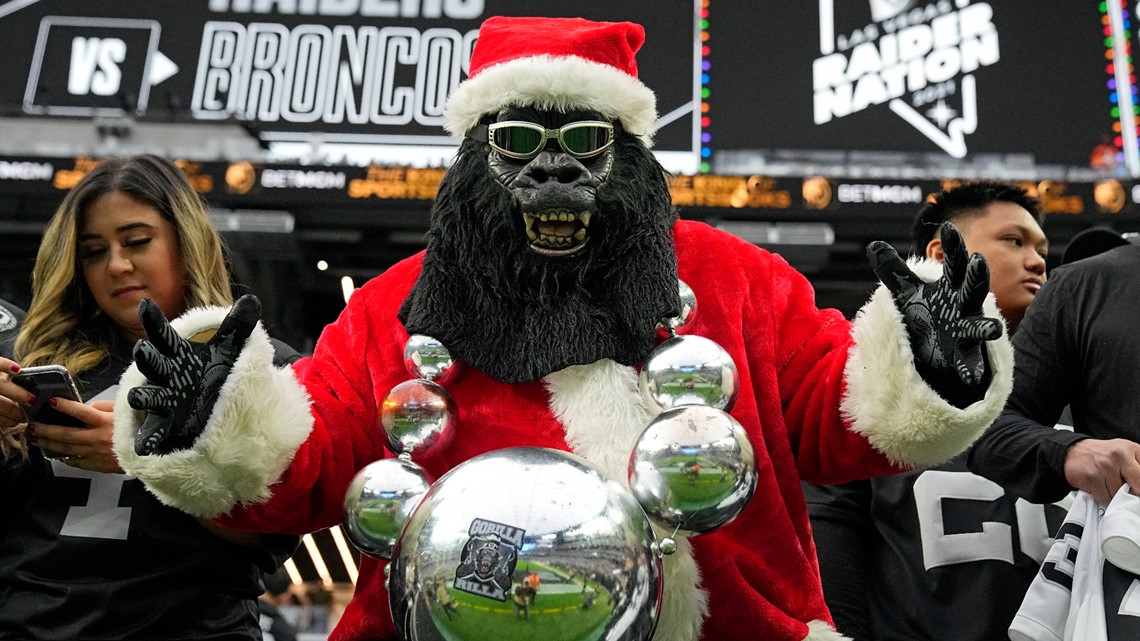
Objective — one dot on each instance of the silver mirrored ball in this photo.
(689, 370)
(425, 357)
(688, 307)
(419, 418)
(379, 501)
(693, 469)
(520, 542)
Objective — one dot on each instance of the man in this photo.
(1077, 347)
(274, 625)
(523, 597)
(553, 254)
(941, 554)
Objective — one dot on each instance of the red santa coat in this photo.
(821, 399)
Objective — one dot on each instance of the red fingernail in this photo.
(31, 430)
(31, 401)
(15, 369)
(53, 402)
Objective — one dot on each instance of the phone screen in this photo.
(45, 383)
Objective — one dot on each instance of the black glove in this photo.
(185, 377)
(944, 318)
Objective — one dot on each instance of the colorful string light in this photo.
(1121, 82)
(706, 66)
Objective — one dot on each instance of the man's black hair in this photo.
(967, 200)
(277, 582)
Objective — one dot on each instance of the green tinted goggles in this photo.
(523, 140)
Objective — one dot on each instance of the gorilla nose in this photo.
(549, 167)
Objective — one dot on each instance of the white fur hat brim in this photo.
(561, 83)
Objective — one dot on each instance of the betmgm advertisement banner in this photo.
(345, 74)
(1027, 81)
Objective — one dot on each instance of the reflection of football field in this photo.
(380, 517)
(554, 616)
(706, 488)
(682, 385)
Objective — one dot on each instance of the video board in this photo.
(335, 72)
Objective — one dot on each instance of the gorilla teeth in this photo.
(538, 234)
(559, 215)
(547, 239)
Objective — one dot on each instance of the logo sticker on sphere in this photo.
(489, 558)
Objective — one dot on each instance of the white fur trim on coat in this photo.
(561, 83)
(821, 631)
(261, 418)
(603, 413)
(890, 404)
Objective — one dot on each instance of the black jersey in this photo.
(86, 555)
(935, 554)
(1077, 345)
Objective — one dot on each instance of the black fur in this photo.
(517, 315)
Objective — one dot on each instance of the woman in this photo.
(85, 551)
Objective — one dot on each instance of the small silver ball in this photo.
(419, 418)
(667, 545)
(693, 469)
(688, 305)
(425, 357)
(689, 370)
(379, 500)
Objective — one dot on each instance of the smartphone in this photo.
(47, 382)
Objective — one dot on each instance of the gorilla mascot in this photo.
(554, 254)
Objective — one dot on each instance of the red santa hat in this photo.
(555, 63)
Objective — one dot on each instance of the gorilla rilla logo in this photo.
(488, 559)
(917, 57)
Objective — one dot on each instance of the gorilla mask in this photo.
(552, 164)
(549, 246)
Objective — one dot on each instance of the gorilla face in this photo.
(549, 259)
(556, 187)
(485, 557)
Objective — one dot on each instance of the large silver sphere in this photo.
(425, 357)
(521, 516)
(379, 501)
(419, 418)
(693, 468)
(688, 306)
(689, 370)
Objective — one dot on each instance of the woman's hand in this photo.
(86, 448)
(12, 396)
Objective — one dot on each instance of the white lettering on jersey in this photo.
(101, 517)
(995, 540)
(1130, 604)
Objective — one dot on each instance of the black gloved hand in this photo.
(944, 319)
(185, 377)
